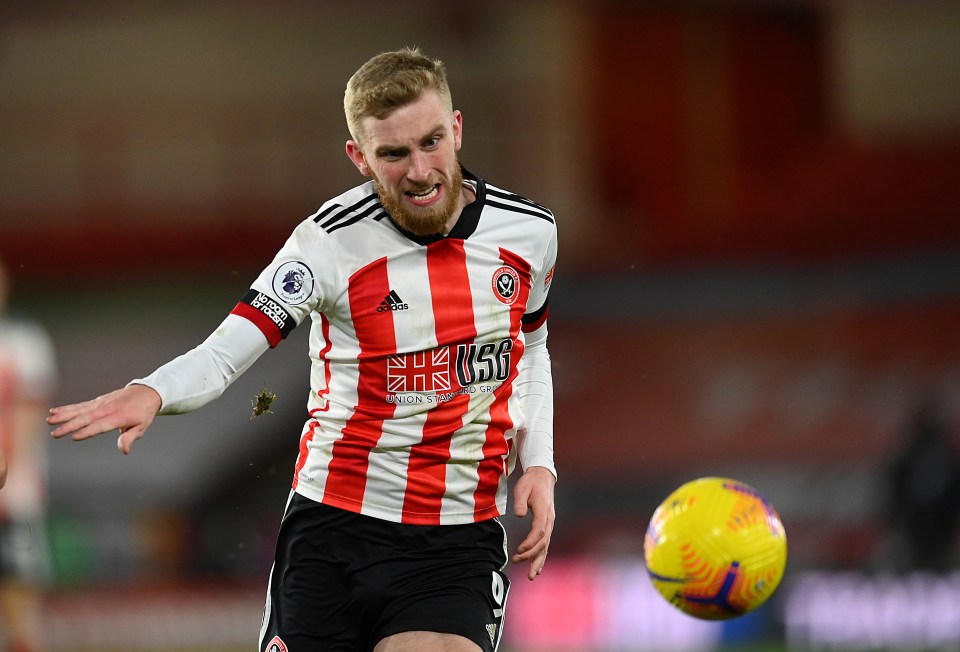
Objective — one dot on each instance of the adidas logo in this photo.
(392, 302)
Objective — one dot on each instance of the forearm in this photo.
(535, 388)
(201, 375)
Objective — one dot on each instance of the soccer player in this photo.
(27, 377)
(427, 290)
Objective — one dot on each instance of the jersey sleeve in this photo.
(535, 383)
(537, 305)
(202, 374)
(280, 298)
(535, 387)
(290, 287)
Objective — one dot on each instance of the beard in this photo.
(423, 220)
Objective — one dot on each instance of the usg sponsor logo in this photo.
(448, 371)
(483, 363)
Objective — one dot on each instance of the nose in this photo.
(419, 167)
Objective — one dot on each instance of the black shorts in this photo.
(342, 581)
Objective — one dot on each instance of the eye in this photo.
(431, 143)
(391, 154)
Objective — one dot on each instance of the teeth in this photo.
(429, 194)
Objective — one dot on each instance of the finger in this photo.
(57, 415)
(541, 525)
(537, 557)
(76, 420)
(73, 426)
(520, 508)
(520, 497)
(532, 545)
(128, 437)
(89, 424)
(60, 431)
(536, 566)
(90, 410)
(64, 413)
(89, 431)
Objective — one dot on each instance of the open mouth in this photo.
(426, 196)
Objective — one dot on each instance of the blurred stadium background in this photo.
(759, 204)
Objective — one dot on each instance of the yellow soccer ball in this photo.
(715, 548)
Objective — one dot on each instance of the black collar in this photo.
(466, 223)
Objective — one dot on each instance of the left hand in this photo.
(534, 491)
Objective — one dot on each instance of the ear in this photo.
(457, 130)
(355, 154)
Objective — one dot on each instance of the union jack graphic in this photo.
(422, 371)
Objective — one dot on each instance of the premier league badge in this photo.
(293, 282)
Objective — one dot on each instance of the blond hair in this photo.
(391, 80)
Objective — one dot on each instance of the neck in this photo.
(467, 197)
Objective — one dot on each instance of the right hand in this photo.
(131, 410)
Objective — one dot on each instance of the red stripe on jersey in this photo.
(347, 471)
(495, 447)
(520, 305)
(454, 324)
(266, 325)
(322, 355)
(304, 451)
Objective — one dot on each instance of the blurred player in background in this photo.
(924, 493)
(27, 375)
(427, 292)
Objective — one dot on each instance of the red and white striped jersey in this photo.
(415, 343)
(27, 375)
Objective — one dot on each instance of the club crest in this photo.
(506, 285)
(275, 645)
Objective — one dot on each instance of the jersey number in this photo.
(499, 593)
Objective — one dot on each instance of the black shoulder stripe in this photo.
(354, 219)
(326, 211)
(335, 213)
(517, 198)
(516, 209)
